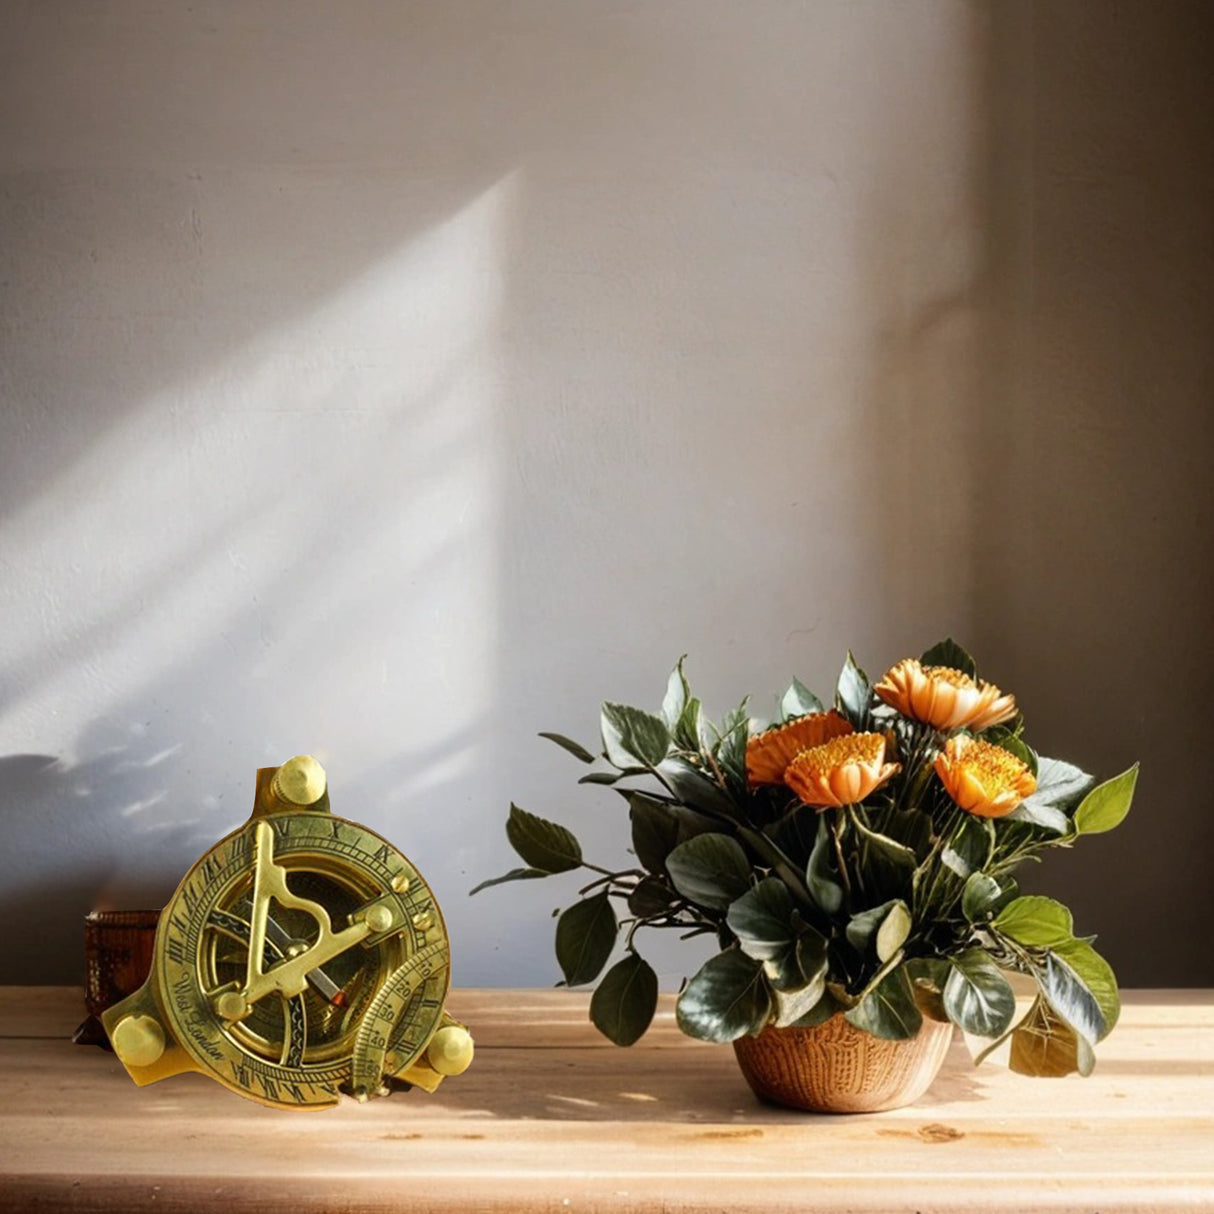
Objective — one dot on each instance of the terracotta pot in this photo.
(835, 1068)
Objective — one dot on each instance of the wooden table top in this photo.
(553, 1118)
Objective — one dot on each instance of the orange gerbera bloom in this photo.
(769, 753)
(943, 697)
(982, 778)
(840, 772)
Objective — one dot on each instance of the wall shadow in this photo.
(1092, 576)
(1041, 392)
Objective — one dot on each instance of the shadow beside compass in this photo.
(58, 863)
(118, 830)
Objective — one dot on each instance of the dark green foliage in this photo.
(885, 911)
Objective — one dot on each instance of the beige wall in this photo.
(396, 380)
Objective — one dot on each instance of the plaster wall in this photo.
(392, 381)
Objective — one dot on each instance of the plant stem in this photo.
(596, 868)
(777, 859)
(834, 834)
(923, 738)
(933, 862)
(862, 831)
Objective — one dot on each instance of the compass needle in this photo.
(325, 916)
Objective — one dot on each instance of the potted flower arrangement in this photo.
(854, 864)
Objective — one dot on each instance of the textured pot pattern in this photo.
(836, 1068)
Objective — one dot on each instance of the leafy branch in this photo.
(898, 906)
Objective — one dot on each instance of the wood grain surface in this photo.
(552, 1118)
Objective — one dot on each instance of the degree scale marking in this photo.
(371, 1046)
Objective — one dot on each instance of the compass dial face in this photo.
(353, 968)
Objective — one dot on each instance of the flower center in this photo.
(946, 674)
(866, 748)
(992, 766)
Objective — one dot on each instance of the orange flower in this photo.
(840, 772)
(943, 697)
(982, 778)
(769, 753)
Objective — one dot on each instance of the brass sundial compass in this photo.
(302, 957)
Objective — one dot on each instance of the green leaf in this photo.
(949, 653)
(1106, 805)
(710, 870)
(889, 1010)
(1097, 975)
(631, 736)
(885, 927)
(515, 874)
(912, 828)
(890, 850)
(983, 896)
(585, 936)
(820, 1013)
(894, 929)
(886, 866)
(802, 961)
(574, 748)
(731, 750)
(761, 918)
(792, 1005)
(677, 695)
(1045, 1046)
(651, 896)
(977, 997)
(1047, 816)
(692, 822)
(794, 835)
(1059, 785)
(970, 847)
(655, 831)
(623, 1005)
(1035, 921)
(853, 693)
(726, 999)
(812, 953)
(689, 731)
(820, 874)
(799, 701)
(602, 777)
(1070, 998)
(695, 789)
(542, 844)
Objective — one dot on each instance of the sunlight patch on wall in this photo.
(294, 550)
